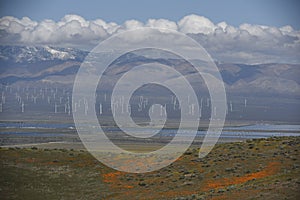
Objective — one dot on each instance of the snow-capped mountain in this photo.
(32, 54)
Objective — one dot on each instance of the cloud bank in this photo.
(245, 44)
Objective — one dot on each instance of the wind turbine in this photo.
(122, 104)
(140, 104)
(193, 109)
(161, 110)
(23, 107)
(215, 111)
(201, 103)
(129, 109)
(100, 108)
(165, 109)
(86, 106)
(3, 98)
(34, 99)
(75, 107)
(69, 109)
(200, 112)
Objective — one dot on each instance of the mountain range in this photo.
(53, 65)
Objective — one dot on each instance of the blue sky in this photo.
(235, 12)
(241, 39)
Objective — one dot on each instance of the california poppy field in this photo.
(253, 169)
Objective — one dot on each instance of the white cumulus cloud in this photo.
(196, 24)
(162, 23)
(248, 43)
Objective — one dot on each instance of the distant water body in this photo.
(62, 130)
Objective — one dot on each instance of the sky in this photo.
(235, 12)
(243, 31)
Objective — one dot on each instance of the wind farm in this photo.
(149, 100)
